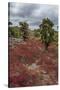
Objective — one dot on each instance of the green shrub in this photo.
(37, 33)
(14, 32)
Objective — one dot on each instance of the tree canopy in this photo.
(9, 23)
(24, 28)
(47, 31)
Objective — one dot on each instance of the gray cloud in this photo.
(22, 10)
(32, 13)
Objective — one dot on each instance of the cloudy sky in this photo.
(32, 13)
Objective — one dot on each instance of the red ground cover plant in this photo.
(31, 65)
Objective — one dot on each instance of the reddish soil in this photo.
(31, 65)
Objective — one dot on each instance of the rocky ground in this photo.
(31, 65)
